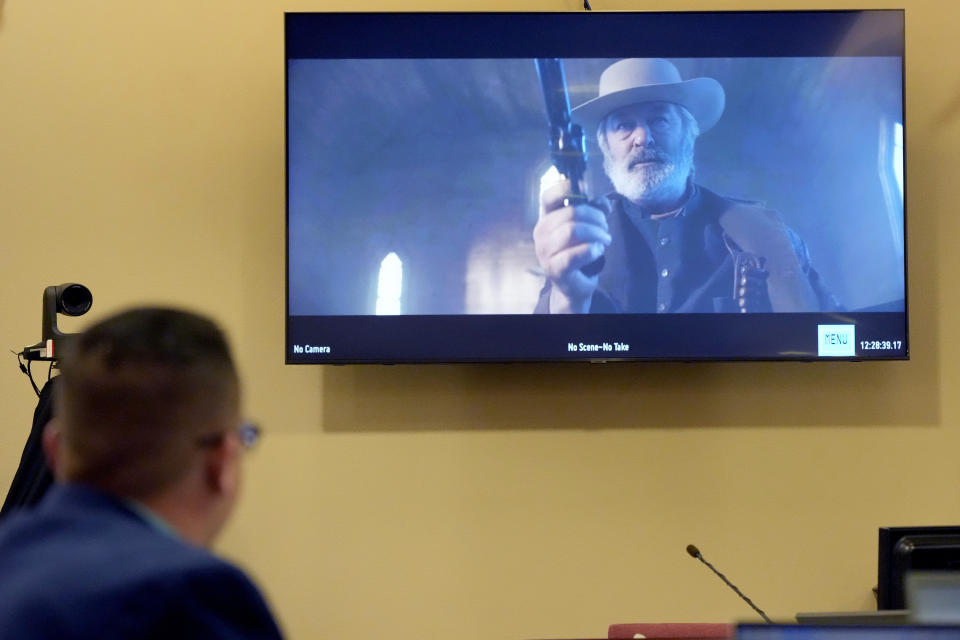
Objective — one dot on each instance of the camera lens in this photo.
(74, 300)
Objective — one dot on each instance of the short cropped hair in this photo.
(136, 393)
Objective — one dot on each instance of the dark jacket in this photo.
(82, 564)
(685, 264)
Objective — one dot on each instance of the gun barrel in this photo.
(554, 85)
(567, 146)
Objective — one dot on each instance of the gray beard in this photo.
(651, 185)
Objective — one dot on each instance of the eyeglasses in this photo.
(248, 433)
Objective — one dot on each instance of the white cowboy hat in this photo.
(637, 80)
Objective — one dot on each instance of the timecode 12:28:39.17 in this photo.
(881, 345)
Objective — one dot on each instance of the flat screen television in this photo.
(502, 187)
(902, 550)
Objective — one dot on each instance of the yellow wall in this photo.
(141, 153)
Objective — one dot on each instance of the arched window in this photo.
(390, 285)
(898, 156)
(549, 178)
(890, 160)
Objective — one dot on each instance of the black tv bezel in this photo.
(891, 590)
(345, 36)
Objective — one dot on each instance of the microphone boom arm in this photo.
(693, 551)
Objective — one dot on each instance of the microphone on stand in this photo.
(693, 551)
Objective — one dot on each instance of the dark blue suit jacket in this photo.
(81, 564)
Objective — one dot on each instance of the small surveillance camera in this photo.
(69, 299)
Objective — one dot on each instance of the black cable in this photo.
(50, 370)
(26, 371)
(19, 361)
(36, 389)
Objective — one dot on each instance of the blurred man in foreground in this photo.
(146, 446)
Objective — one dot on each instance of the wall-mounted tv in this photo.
(469, 187)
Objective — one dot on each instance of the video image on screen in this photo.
(415, 187)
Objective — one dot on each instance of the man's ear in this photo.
(53, 445)
(220, 463)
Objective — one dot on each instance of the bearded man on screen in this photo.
(670, 244)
